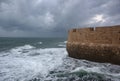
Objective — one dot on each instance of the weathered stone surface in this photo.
(101, 44)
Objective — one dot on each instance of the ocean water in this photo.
(46, 59)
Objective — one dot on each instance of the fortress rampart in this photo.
(100, 44)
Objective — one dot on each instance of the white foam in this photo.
(61, 45)
(18, 50)
(19, 65)
(65, 42)
(21, 50)
(26, 47)
(26, 62)
(95, 69)
(39, 42)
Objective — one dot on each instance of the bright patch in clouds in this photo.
(98, 18)
(38, 2)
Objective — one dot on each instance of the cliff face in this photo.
(100, 44)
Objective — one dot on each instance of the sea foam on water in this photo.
(28, 63)
(24, 62)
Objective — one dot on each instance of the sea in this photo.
(46, 59)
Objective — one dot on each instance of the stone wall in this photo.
(101, 44)
(102, 35)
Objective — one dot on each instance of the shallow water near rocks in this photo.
(46, 59)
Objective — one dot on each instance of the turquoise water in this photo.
(46, 59)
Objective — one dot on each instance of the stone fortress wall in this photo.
(101, 35)
(100, 44)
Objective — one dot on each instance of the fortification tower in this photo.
(100, 44)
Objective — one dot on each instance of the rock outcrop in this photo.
(100, 44)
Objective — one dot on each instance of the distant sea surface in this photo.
(46, 59)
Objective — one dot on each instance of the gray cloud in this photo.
(38, 18)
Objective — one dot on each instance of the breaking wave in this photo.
(62, 44)
(28, 63)
(25, 62)
(40, 42)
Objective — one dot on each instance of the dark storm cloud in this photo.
(55, 17)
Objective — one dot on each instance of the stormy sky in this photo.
(53, 18)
